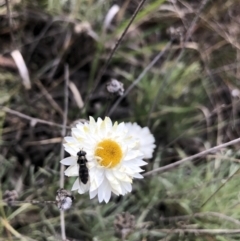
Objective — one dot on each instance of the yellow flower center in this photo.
(109, 153)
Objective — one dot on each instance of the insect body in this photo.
(83, 170)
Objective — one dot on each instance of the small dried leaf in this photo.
(110, 15)
(76, 94)
(22, 68)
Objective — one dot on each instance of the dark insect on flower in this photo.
(83, 170)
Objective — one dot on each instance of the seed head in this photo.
(64, 199)
(124, 224)
(176, 33)
(10, 196)
(115, 87)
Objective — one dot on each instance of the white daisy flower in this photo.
(145, 138)
(113, 159)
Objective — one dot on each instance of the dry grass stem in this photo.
(50, 99)
(66, 71)
(202, 215)
(31, 119)
(199, 231)
(185, 160)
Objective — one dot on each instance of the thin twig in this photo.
(140, 77)
(66, 73)
(57, 60)
(33, 202)
(103, 69)
(185, 160)
(44, 142)
(199, 231)
(32, 119)
(201, 215)
(50, 99)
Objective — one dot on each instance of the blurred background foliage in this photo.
(189, 99)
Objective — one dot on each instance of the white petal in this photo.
(68, 161)
(114, 182)
(125, 169)
(121, 129)
(146, 139)
(116, 188)
(70, 139)
(99, 121)
(76, 185)
(83, 188)
(130, 169)
(132, 165)
(122, 176)
(93, 194)
(92, 122)
(78, 126)
(70, 150)
(127, 186)
(107, 193)
(107, 123)
(137, 175)
(140, 162)
(111, 178)
(148, 150)
(119, 175)
(123, 189)
(72, 171)
(133, 154)
(104, 192)
(76, 133)
(96, 177)
(100, 194)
